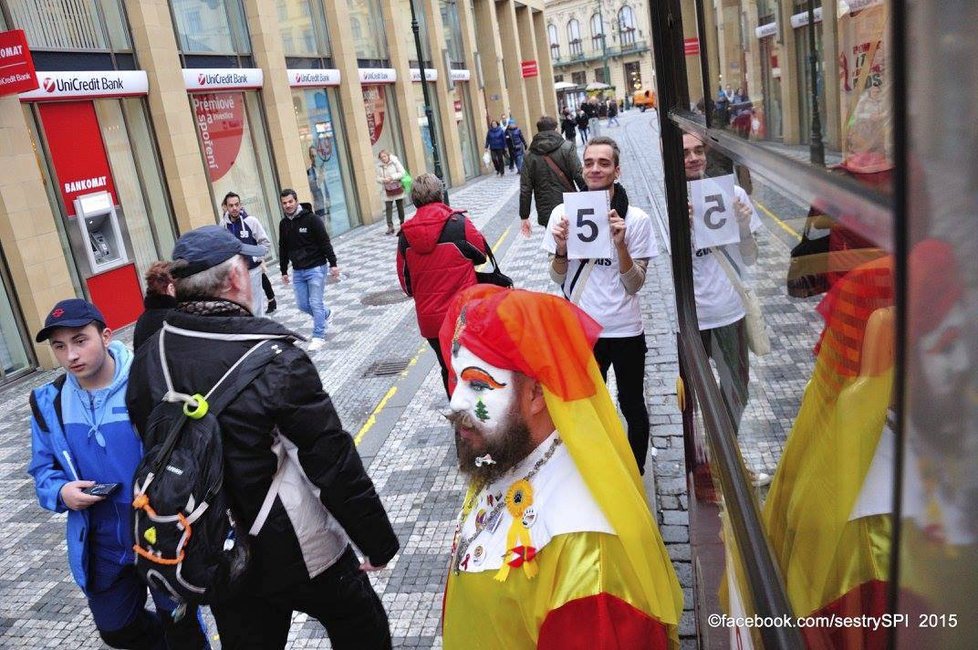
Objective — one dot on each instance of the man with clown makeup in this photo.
(555, 545)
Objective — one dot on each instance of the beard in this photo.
(508, 445)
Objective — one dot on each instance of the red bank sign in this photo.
(16, 66)
(529, 68)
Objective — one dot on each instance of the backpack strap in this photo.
(560, 173)
(453, 232)
(59, 384)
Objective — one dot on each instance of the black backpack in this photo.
(187, 541)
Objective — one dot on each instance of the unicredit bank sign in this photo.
(377, 75)
(316, 78)
(207, 79)
(73, 85)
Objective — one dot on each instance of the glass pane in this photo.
(210, 27)
(323, 149)
(303, 28)
(813, 412)
(65, 24)
(367, 25)
(382, 121)
(429, 154)
(453, 30)
(13, 354)
(115, 24)
(471, 154)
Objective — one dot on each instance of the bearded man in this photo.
(555, 546)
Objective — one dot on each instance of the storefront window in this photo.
(213, 27)
(453, 30)
(382, 122)
(429, 155)
(466, 131)
(235, 149)
(367, 25)
(303, 28)
(326, 157)
(68, 25)
(13, 352)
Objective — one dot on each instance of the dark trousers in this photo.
(497, 160)
(727, 346)
(341, 598)
(627, 356)
(583, 131)
(266, 286)
(436, 346)
(389, 212)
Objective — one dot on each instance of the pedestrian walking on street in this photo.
(613, 113)
(556, 546)
(250, 231)
(607, 289)
(157, 304)
(592, 109)
(516, 145)
(390, 171)
(292, 475)
(568, 126)
(303, 241)
(437, 252)
(552, 168)
(496, 146)
(84, 453)
(582, 124)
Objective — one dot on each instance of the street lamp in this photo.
(817, 149)
(604, 46)
(436, 158)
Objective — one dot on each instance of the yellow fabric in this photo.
(822, 554)
(595, 439)
(481, 613)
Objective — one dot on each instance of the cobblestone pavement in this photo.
(387, 389)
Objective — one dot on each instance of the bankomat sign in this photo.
(16, 65)
(64, 85)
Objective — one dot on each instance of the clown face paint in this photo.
(484, 392)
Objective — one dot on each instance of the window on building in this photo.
(597, 33)
(214, 27)
(303, 30)
(574, 37)
(70, 25)
(554, 42)
(633, 75)
(599, 76)
(579, 78)
(453, 31)
(558, 78)
(626, 26)
(367, 25)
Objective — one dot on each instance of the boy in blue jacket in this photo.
(81, 436)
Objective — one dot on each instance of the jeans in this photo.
(436, 346)
(584, 134)
(518, 156)
(727, 346)
(341, 598)
(594, 126)
(309, 285)
(627, 355)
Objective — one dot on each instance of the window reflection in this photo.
(216, 27)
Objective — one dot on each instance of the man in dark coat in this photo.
(292, 474)
(550, 169)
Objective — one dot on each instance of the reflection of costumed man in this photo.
(556, 547)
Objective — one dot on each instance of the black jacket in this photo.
(157, 308)
(303, 240)
(540, 182)
(568, 127)
(286, 397)
(581, 120)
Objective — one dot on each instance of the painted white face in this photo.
(484, 392)
(944, 355)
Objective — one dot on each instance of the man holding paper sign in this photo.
(606, 282)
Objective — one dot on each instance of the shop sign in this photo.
(377, 75)
(77, 152)
(691, 46)
(314, 78)
(220, 122)
(197, 79)
(89, 85)
(529, 69)
(459, 116)
(763, 31)
(461, 75)
(800, 20)
(430, 74)
(16, 65)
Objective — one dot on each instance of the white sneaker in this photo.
(758, 479)
(316, 344)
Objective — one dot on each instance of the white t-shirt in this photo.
(604, 297)
(717, 301)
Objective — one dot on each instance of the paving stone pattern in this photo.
(414, 468)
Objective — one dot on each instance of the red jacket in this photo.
(434, 262)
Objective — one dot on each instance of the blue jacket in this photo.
(105, 450)
(496, 138)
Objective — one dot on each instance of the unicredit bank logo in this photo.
(226, 79)
(49, 84)
(201, 79)
(375, 76)
(76, 85)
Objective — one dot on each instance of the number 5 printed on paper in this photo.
(590, 232)
(713, 202)
(589, 224)
(717, 200)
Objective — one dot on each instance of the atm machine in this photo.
(112, 280)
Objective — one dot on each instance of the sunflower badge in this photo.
(520, 550)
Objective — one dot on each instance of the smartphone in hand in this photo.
(102, 489)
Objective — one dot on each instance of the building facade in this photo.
(148, 112)
(604, 42)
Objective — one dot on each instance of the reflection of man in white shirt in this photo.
(719, 308)
(607, 289)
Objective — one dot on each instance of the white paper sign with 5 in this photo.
(589, 233)
(714, 215)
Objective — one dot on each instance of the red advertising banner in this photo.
(691, 46)
(220, 124)
(77, 152)
(376, 108)
(529, 68)
(16, 65)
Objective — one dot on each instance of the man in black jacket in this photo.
(292, 474)
(550, 169)
(303, 240)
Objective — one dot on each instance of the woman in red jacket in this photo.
(437, 252)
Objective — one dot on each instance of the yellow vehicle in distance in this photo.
(644, 99)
